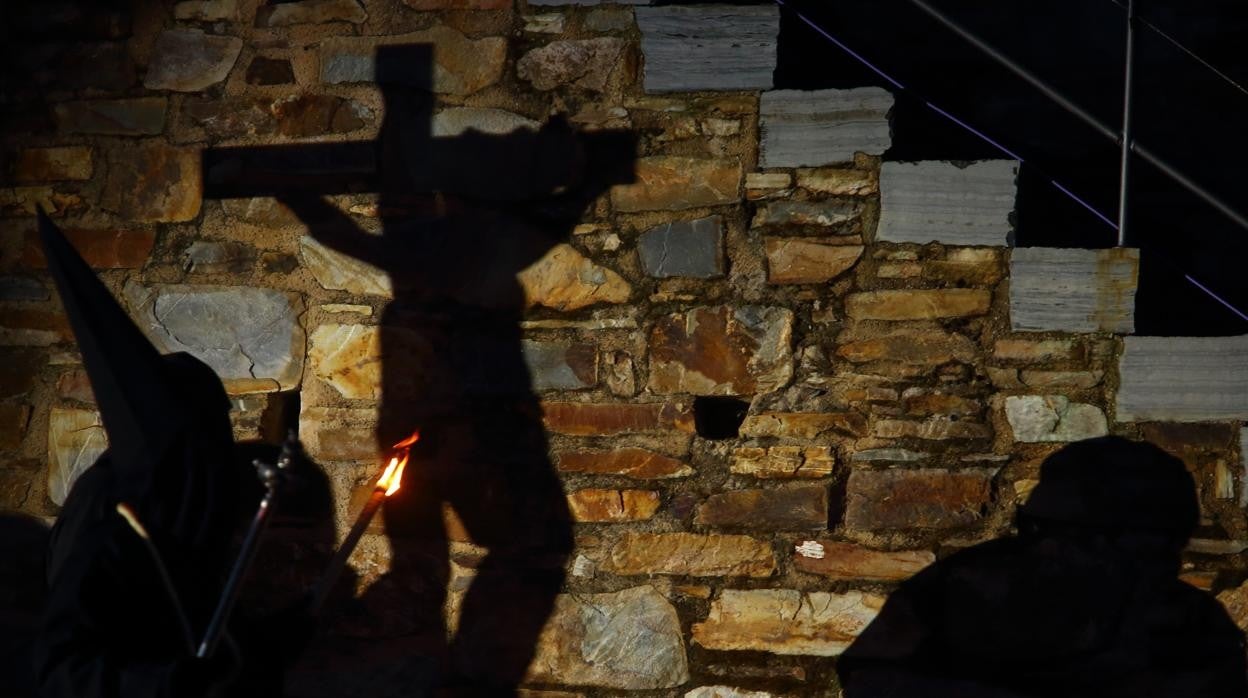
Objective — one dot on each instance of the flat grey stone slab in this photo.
(684, 248)
(560, 365)
(1183, 379)
(821, 127)
(244, 333)
(1073, 290)
(710, 47)
(933, 201)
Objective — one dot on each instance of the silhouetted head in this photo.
(1113, 484)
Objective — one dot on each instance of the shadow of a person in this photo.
(452, 367)
(23, 546)
(1084, 601)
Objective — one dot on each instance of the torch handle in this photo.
(216, 626)
(339, 561)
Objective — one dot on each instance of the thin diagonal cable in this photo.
(989, 140)
(1190, 53)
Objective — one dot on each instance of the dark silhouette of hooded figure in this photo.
(1084, 601)
(115, 622)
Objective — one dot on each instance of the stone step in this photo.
(932, 201)
(822, 127)
(712, 47)
(1073, 290)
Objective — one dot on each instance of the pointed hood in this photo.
(138, 408)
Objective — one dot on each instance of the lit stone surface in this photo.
(820, 127)
(627, 640)
(586, 63)
(336, 271)
(188, 60)
(76, 439)
(940, 202)
(922, 304)
(846, 561)
(245, 334)
(691, 554)
(1072, 290)
(671, 183)
(786, 621)
(565, 279)
(808, 261)
(1183, 379)
(1042, 418)
(348, 358)
(722, 351)
(708, 47)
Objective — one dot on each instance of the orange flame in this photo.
(393, 474)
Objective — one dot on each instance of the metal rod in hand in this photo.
(272, 476)
(387, 484)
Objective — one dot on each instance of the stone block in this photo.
(21, 327)
(310, 12)
(455, 121)
(605, 419)
(153, 183)
(213, 257)
(75, 385)
(849, 562)
(610, 19)
(560, 365)
(14, 417)
(839, 181)
(1053, 418)
(336, 271)
(76, 439)
(188, 60)
(141, 116)
(803, 425)
(1033, 350)
(783, 462)
(1183, 379)
(722, 351)
(802, 128)
(22, 288)
(787, 509)
(688, 49)
(101, 249)
(462, 66)
(19, 371)
(427, 5)
(939, 428)
(940, 202)
(634, 463)
(808, 261)
(565, 279)
(55, 164)
(250, 335)
(270, 71)
(672, 183)
(684, 248)
(1070, 290)
(826, 216)
(339, 434)
(931, 498)
(585, 63)
(920, 347)
(690, 554)
(610, 506)
(925, 304)
(626, 640)
(890, 455)
(786, 621)
(348, 359)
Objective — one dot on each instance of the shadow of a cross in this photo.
(451, 353)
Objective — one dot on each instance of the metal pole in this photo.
(1128, 94)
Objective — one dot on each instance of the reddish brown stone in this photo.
(586, 419)
(917, 304)
(901, 499)
(846, 561)
(13, 421)
(56, 164)
(691, 554)
(925, 403)
(674, 183)
(783, 462)
(1195, 444)
(19, 370)
(605, 506)
(154, 183)
(102, 249)
(924, 348)
(1033, 350)
(629, 462)
(74, 385)
(788, 509)
(316, 115)
(935, 428)
(808, 261)
(722, 351)
(33, 328)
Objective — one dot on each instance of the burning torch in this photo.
(386, 485)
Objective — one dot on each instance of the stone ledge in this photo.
(1183, 379)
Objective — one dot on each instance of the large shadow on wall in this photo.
(1084, 601)
(460, 216)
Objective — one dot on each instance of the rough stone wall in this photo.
(900, 394)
